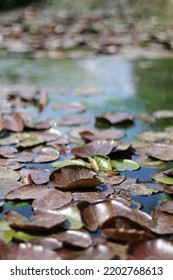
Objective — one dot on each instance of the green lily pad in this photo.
(64, 163)
(125, 164)
(162, 178)
(102, 162)
(7, 233)
(73, 216)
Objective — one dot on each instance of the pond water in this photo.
(102, 83)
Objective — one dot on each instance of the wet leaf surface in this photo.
(95, 148)
(124, 165)
(159, 249)
(40, 221)
(74, 177)
(38, 175)
(25, 252)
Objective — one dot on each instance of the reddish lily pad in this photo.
(167, 206)
(25, 251)
(161, 151)
(72, 121)
(160, 249)
(100, 147)
(74, 238)
(162, 222)
(7, 152)
(41, 220)
(27, 192)
(124, 235)
(47, 154)
(7, 185)
(111, 178)
(115, 118)
(9, 174)
(13, 122)
(11, 164)
(73, 177)
(38, 175)
(52, 199)
(106, 134)
(72, 107)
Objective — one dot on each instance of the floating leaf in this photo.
(25, 251)
(47, 154)
(7, 233)
(125, 164)
(13, 122)
(115, 118)
(110, 177)
(8, 185)
(73, 217)
(52, 199)
(106, 134)
(72, 177)
(160, 114)
(72, 107)
(160, 249)
(41, 220)
(27, 192)
(156, 136)
(38, 175)
(74, 238)
(72, 120)
(162, 178)
(63, 163)
(103, 163)
(101, 147)
(11, 163)
(8, 173)
(161, 151)
(167, 206)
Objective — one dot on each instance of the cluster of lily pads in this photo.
(81, 199)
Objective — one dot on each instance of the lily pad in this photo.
(76, 238)
(52, 199)
(25, 251)
(9, 174)
(160, 249)
(125, 164)
(40, 221)
(73, 177)
(162, 152)
(103, 163)
(73, 217)
(72, 121)
(11, 164)
(100, 147)
(156, 136)
(13, 122)
(38, 175)
(162, 178)
(63, 163)
(47, 154)
(160, 114)
(167, 206)
(27, 192)
(115, 118)
(106, 134)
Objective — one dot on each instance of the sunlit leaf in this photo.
(103, 163)
(59, 164)
(73, 217)
(125, 164)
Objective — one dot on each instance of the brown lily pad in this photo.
(74, 177)
(161, 151)
(106, 134)
(115, 118)
(27, 192)
(167, 206)
(7, 185)
(72, 107)
(9, 174)
(25, 251)
(52, 199)
(74, 238)
(41, 220)
(13, 122)
(47, 154)
(162, 222)
(100, 147)
(11, 164)
(160, 249)
(38, 175)
(123, 235)
(156, 136)
(72, 121)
